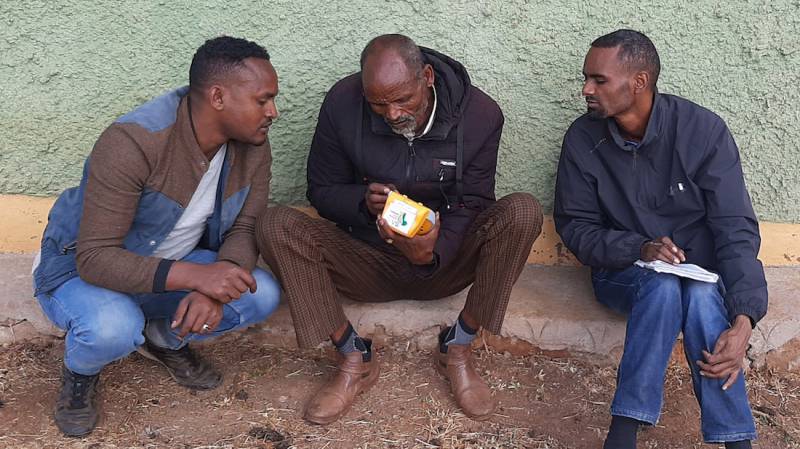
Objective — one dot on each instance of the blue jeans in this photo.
(104, 325)
(659, 307)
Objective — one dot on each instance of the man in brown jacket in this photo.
(156, 246)
(409, 121)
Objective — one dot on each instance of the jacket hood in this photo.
(452, 90)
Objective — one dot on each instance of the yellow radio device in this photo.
(406, 216)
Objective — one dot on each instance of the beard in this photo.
(406, 127)
(597, 112)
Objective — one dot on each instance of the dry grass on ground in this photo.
(545, 402)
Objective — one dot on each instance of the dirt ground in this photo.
(544, 402)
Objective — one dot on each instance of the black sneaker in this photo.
(184, 366)
(76, 413)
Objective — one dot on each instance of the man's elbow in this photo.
(86, 265)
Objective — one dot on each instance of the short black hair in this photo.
(635, 50)
(404, 46)
(219, 56)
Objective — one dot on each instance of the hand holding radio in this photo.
(410, 226)
(418, 249)
(375, 197)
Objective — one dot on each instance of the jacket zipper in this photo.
(410, 164)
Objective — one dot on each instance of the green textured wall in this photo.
(69, 68)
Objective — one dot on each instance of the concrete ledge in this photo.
(552, 309)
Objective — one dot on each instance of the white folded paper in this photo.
(685, 270)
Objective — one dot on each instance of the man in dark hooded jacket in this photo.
(410, 121)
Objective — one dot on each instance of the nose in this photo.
(588, 89)
(393, 113)
(271, 110)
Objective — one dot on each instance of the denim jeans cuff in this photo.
(648, 418)
(159, 333)
(728, 437)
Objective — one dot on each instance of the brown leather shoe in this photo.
(470, 390)
(355, 376)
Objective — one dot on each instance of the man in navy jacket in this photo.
(650, 176)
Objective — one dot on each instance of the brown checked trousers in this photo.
(318, 263)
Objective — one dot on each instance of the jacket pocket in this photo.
(679, 198)
(69, 247)
(441, 171)
(57, 265)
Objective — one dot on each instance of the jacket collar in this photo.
(652, 131)
(184, 132)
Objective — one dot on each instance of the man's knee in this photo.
(111, 331)
(704, 302)
(277, 224)
(201, 256)
(524, 214)
(263, 302)
(662, 290)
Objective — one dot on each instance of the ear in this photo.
(641, 81)
(216, 97)
(427, 73)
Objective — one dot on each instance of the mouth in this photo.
(264, 128)
(400, 123)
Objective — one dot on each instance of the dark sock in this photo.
(622, 433)
(459, 333)
(744, 444)
(352, 342)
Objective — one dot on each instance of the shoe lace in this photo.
(189, 356)
(182, 359)
(81, 385)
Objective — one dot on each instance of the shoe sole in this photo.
(82, 434)
(98, 413)
(325, 421)
(77, 435)
(146, 354)
(443, 372)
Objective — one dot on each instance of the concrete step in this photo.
(552, 309)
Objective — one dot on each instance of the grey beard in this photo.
(407, 131)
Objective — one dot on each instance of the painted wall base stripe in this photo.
(24, 218)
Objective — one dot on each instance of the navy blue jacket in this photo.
(683, 180)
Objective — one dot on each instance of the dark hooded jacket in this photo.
(354, 147)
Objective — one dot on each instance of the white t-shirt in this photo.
(189, 229)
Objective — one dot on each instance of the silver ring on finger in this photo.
(206, 327)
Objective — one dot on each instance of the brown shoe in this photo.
(470, 390)
(356, 375)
